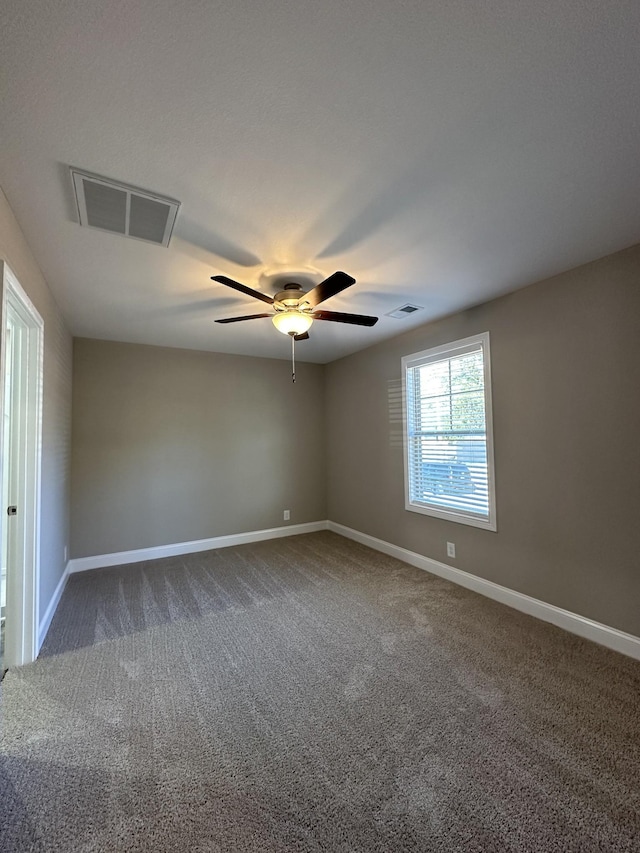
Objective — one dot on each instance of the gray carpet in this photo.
(309, 694)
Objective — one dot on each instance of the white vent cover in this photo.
(404, 311)
(122, 209)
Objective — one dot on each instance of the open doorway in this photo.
(21, 448)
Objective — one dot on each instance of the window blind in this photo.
(447, 454)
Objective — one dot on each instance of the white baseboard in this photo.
(612, 638)
(45, 622)
(120, 558)
(627, 644)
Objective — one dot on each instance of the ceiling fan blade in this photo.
(242, 288)
(329, 287)
(246, 317)
(303, 337)
(339, 317)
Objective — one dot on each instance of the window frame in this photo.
(440, 353)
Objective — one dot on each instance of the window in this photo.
(448, 434)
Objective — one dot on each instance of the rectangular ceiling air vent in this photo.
(123, 209)
(404, 311)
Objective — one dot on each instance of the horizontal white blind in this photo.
(447, 433)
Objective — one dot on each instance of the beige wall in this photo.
(566, 398)
(56, 426)
(174, 445)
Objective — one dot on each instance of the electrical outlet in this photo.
(66, 553)
(287, 515)
(451, 549)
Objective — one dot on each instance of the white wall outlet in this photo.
(66, 553)
(287, 515)
(451, 549)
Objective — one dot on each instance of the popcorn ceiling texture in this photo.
(310, 694)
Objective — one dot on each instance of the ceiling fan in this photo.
(295, 310)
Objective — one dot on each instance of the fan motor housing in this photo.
(288, 298)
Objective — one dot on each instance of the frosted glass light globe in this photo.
(292, 322)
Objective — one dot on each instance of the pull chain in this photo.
(293, 358)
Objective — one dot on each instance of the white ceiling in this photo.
(440, 152)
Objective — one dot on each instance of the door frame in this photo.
(24, 625)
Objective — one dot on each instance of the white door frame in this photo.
(21, 627)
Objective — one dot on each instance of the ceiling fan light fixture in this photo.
(292, 322)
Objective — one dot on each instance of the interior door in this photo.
(14, 474)
(21, 448)
(5, 431)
